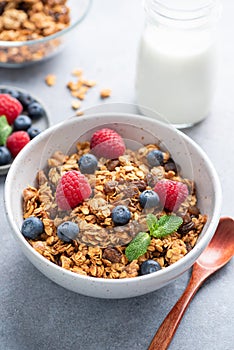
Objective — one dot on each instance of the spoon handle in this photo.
(165, 333)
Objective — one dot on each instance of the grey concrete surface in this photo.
(35, 313)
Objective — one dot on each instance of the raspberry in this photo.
(107, 143)
(171, 193)
(10, 107)
(72, 189)
(16, 141)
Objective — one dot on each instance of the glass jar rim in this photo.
(209, 8)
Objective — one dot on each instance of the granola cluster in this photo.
(78, 88)
(31, 20)
(99, 249)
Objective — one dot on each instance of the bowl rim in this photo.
(9, 44)
(164, 273)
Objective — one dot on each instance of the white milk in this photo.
(175, 74)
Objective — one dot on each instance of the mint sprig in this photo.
(158, 228)
(164, 226)
(138, 246)
(5, 130)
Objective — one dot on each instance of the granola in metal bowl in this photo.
(112, 212)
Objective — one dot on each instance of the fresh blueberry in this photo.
(22, 122)
(25, 100)
(170, 165)
(67, 231)
(149, 199)
(33, 132)
(88, 164)
(35, 110)
(155, 158)
(5, 156)
(32, 227)
(121, 215)
(149, 266)
(13, 93)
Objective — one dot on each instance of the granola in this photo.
(79, 88)
(99, 249)
(50, 79)
(28, 20)
(104, 93)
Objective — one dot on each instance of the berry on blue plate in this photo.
(14, 117)
(22, 122)
(35, 110)
(33, 132)
(5, 156)
(25, 99)
(12, 92)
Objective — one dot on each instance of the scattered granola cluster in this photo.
(98, 246)
(31, 20)
(78, 88)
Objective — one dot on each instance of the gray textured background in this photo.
(36, 314)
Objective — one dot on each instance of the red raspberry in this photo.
(10, 107)
(171, 193)
(16, 141)
(107, 143)
(72, 189)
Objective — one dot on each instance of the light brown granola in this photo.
(50, 79)
(76, 104)
(104, 93)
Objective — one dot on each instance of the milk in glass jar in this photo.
(176, 65)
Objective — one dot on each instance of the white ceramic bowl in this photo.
(136, 130)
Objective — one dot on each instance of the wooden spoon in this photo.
(216, 255)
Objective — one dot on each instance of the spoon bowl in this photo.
(217, 254)
(221, 248)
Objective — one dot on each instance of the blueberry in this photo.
(22, 122)
(149, 199)
(155, 158)
(35, 110)
(120, 215)
(25, 100)
(13, 93)
(88, 163)
(5, 156)
(32, 227)
(149, 266)
(170, 165)
(33, 132)
(67, 231)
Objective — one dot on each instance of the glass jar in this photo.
(176, 68)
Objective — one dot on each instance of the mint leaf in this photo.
(5, 130)
(152, 222)
(138, 246)
(167, 224)
(158, 228)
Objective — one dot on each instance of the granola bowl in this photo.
(91, 265)
(32, 32)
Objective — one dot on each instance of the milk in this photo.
(175, 74)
